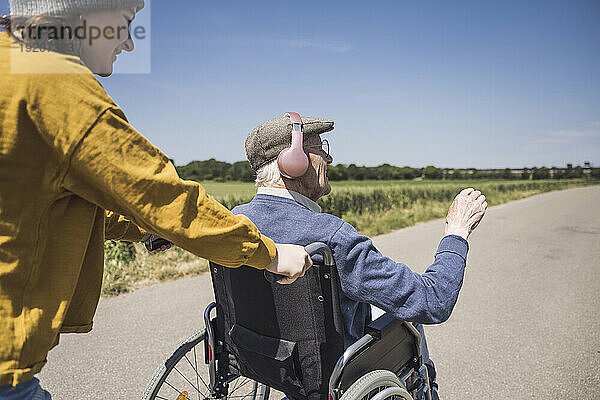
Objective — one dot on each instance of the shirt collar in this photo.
(290, 194)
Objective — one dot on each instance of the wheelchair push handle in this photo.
(322, 249)
(312, 249)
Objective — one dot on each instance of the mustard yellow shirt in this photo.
(68, 154)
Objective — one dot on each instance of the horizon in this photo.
(472, 85)
(574, 165)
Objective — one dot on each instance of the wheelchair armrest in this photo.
(381, 326)
(389, 329)
(396, 347)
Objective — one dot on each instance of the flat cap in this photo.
(270, 138)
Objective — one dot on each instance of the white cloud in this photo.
(586, 133)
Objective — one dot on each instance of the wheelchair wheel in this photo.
(185, 376)
(377, 385)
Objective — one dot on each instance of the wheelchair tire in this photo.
(370, 385)
(184, 376)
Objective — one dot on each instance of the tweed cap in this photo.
(31, 8)
(270, 138)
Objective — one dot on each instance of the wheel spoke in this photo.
(204, 383)
(197, 374)
(173, 387)
(239, 384)
(188, 381)
(196, 369)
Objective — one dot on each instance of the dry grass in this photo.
(147, 269)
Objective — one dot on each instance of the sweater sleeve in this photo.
(368, 276)
(118, 227)
(116, 168)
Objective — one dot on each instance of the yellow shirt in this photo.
(67, 154)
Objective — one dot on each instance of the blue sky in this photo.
(453, 84)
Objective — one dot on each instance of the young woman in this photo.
(67, 156)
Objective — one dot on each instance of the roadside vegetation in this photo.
(220, 171)
(373, 207)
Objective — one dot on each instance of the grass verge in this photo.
(138, 269)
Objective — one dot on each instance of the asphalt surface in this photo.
(526, 326)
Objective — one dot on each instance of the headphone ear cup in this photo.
(292, 162)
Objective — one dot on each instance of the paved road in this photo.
(526, 326)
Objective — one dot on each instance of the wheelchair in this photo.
(265, 340)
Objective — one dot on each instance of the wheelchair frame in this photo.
(376, 331)
(388, 344)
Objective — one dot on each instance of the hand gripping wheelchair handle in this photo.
(312, 249)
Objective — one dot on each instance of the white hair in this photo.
(268, 174)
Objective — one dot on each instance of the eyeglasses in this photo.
(323, 146)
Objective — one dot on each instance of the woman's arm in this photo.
(116, 168)
(118, 227)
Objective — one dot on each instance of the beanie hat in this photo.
(31, 8)
(267, 140)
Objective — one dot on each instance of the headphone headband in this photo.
(295, 117)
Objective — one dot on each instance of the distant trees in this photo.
(542, 173)
(220, 171)
(342, 172)
(507, 174)
(431, 172)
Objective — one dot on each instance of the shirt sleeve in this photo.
(116, 168)
(118, 227)
(368, 276)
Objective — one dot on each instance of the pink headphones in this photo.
(293, 161)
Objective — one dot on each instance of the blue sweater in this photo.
(366, 276)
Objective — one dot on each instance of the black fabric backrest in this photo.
(280, 335)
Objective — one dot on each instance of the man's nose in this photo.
(329, 159)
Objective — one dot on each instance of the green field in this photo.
(222, 189)
(243, 189)
(372, 207)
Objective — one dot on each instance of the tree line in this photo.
(221, 171)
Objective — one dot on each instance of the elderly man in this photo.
(286, 210)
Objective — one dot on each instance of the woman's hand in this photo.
(291, 261)
(149, 238)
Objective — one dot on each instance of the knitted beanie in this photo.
(30, 8)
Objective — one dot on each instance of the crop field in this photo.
(375, 207)
(372, 207)
(240, 189)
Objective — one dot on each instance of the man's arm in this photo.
(368, 276)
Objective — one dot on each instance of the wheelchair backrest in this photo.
(281, 335)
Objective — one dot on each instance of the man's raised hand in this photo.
(465, 213)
